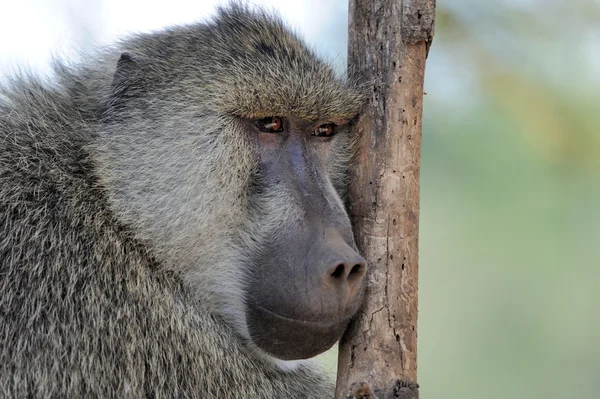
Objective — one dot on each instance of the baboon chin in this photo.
(172, 221)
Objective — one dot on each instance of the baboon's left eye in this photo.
(326, 130)
(272, 124)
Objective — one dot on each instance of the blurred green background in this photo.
(510, 212)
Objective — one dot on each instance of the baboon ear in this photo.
(127, 85)
(127, 72)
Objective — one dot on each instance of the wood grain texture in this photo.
(388, 43)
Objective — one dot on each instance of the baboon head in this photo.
(225, 147)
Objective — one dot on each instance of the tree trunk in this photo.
(388, 44)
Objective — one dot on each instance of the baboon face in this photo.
(306, 281)
(226, 154)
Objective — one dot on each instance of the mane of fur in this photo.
(94, 299)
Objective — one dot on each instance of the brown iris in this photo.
(325, 130)
(272, 124)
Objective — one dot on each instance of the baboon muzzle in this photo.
(308, 299)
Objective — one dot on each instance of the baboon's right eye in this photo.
(272, 124)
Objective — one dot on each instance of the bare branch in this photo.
(388, 44)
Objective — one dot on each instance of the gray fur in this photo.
(126, 220)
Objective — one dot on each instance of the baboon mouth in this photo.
(291, 338)
(319, 323)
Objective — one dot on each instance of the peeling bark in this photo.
(388, 44)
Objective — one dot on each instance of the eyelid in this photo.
(335, 121)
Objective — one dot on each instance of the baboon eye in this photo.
(325, 130)
(272, 124)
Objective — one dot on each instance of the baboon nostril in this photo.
(356, 271)
(339, 271)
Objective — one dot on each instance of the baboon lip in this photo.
(292, 338)
(307, 322)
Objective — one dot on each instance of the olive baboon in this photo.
(171, 221)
